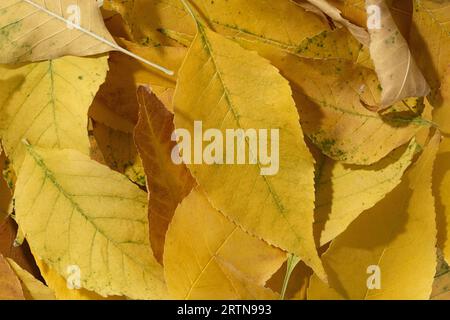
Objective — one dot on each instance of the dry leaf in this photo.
(205, 252)
(51, 196)
(167, 182)
(46, 103)
(332, 98)
(431, 30)
(359, 33)
(32, 288)
(396, 68)
(10, 288)
(32, 34)
(210, 89)
(345, 191)
(393, 240)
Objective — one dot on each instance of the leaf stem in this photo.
(291, 263)
(101, 39)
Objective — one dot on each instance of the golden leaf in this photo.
(208, 257)
(46, 103)
(223, 91)
(392, 244)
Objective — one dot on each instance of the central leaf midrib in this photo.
(275, 197)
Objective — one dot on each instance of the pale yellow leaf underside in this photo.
(30, 34)
(46, 103)
(60, 200)
(396, 68)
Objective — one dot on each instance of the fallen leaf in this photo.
(203, 249)
(223, 91)
(32, 34)
(10, 288)
(167, 182)
(397, 236)
(60, 188)
(343, 192)
(332, 98)
(396, 68)
(430, 42)
(46, 103)
(59, 285)
(358, 32)
(32, 288)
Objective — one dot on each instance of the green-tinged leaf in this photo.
(46, 103)
(222, 85)
(61, 196)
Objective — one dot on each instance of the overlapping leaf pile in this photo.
(363, 114)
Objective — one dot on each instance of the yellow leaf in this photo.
(168, 184)
(334, 13)
(203, 249)
(60, 200)
(333, 99)
(274, 28)
(388, 252)
(396, 68)
(33, 289)
(10, 288)
(269, 22)
(59, 285)
(31, 34)
(355, 11)
(228, 87)
(46, 103)
(344, 191)
(431, 30)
